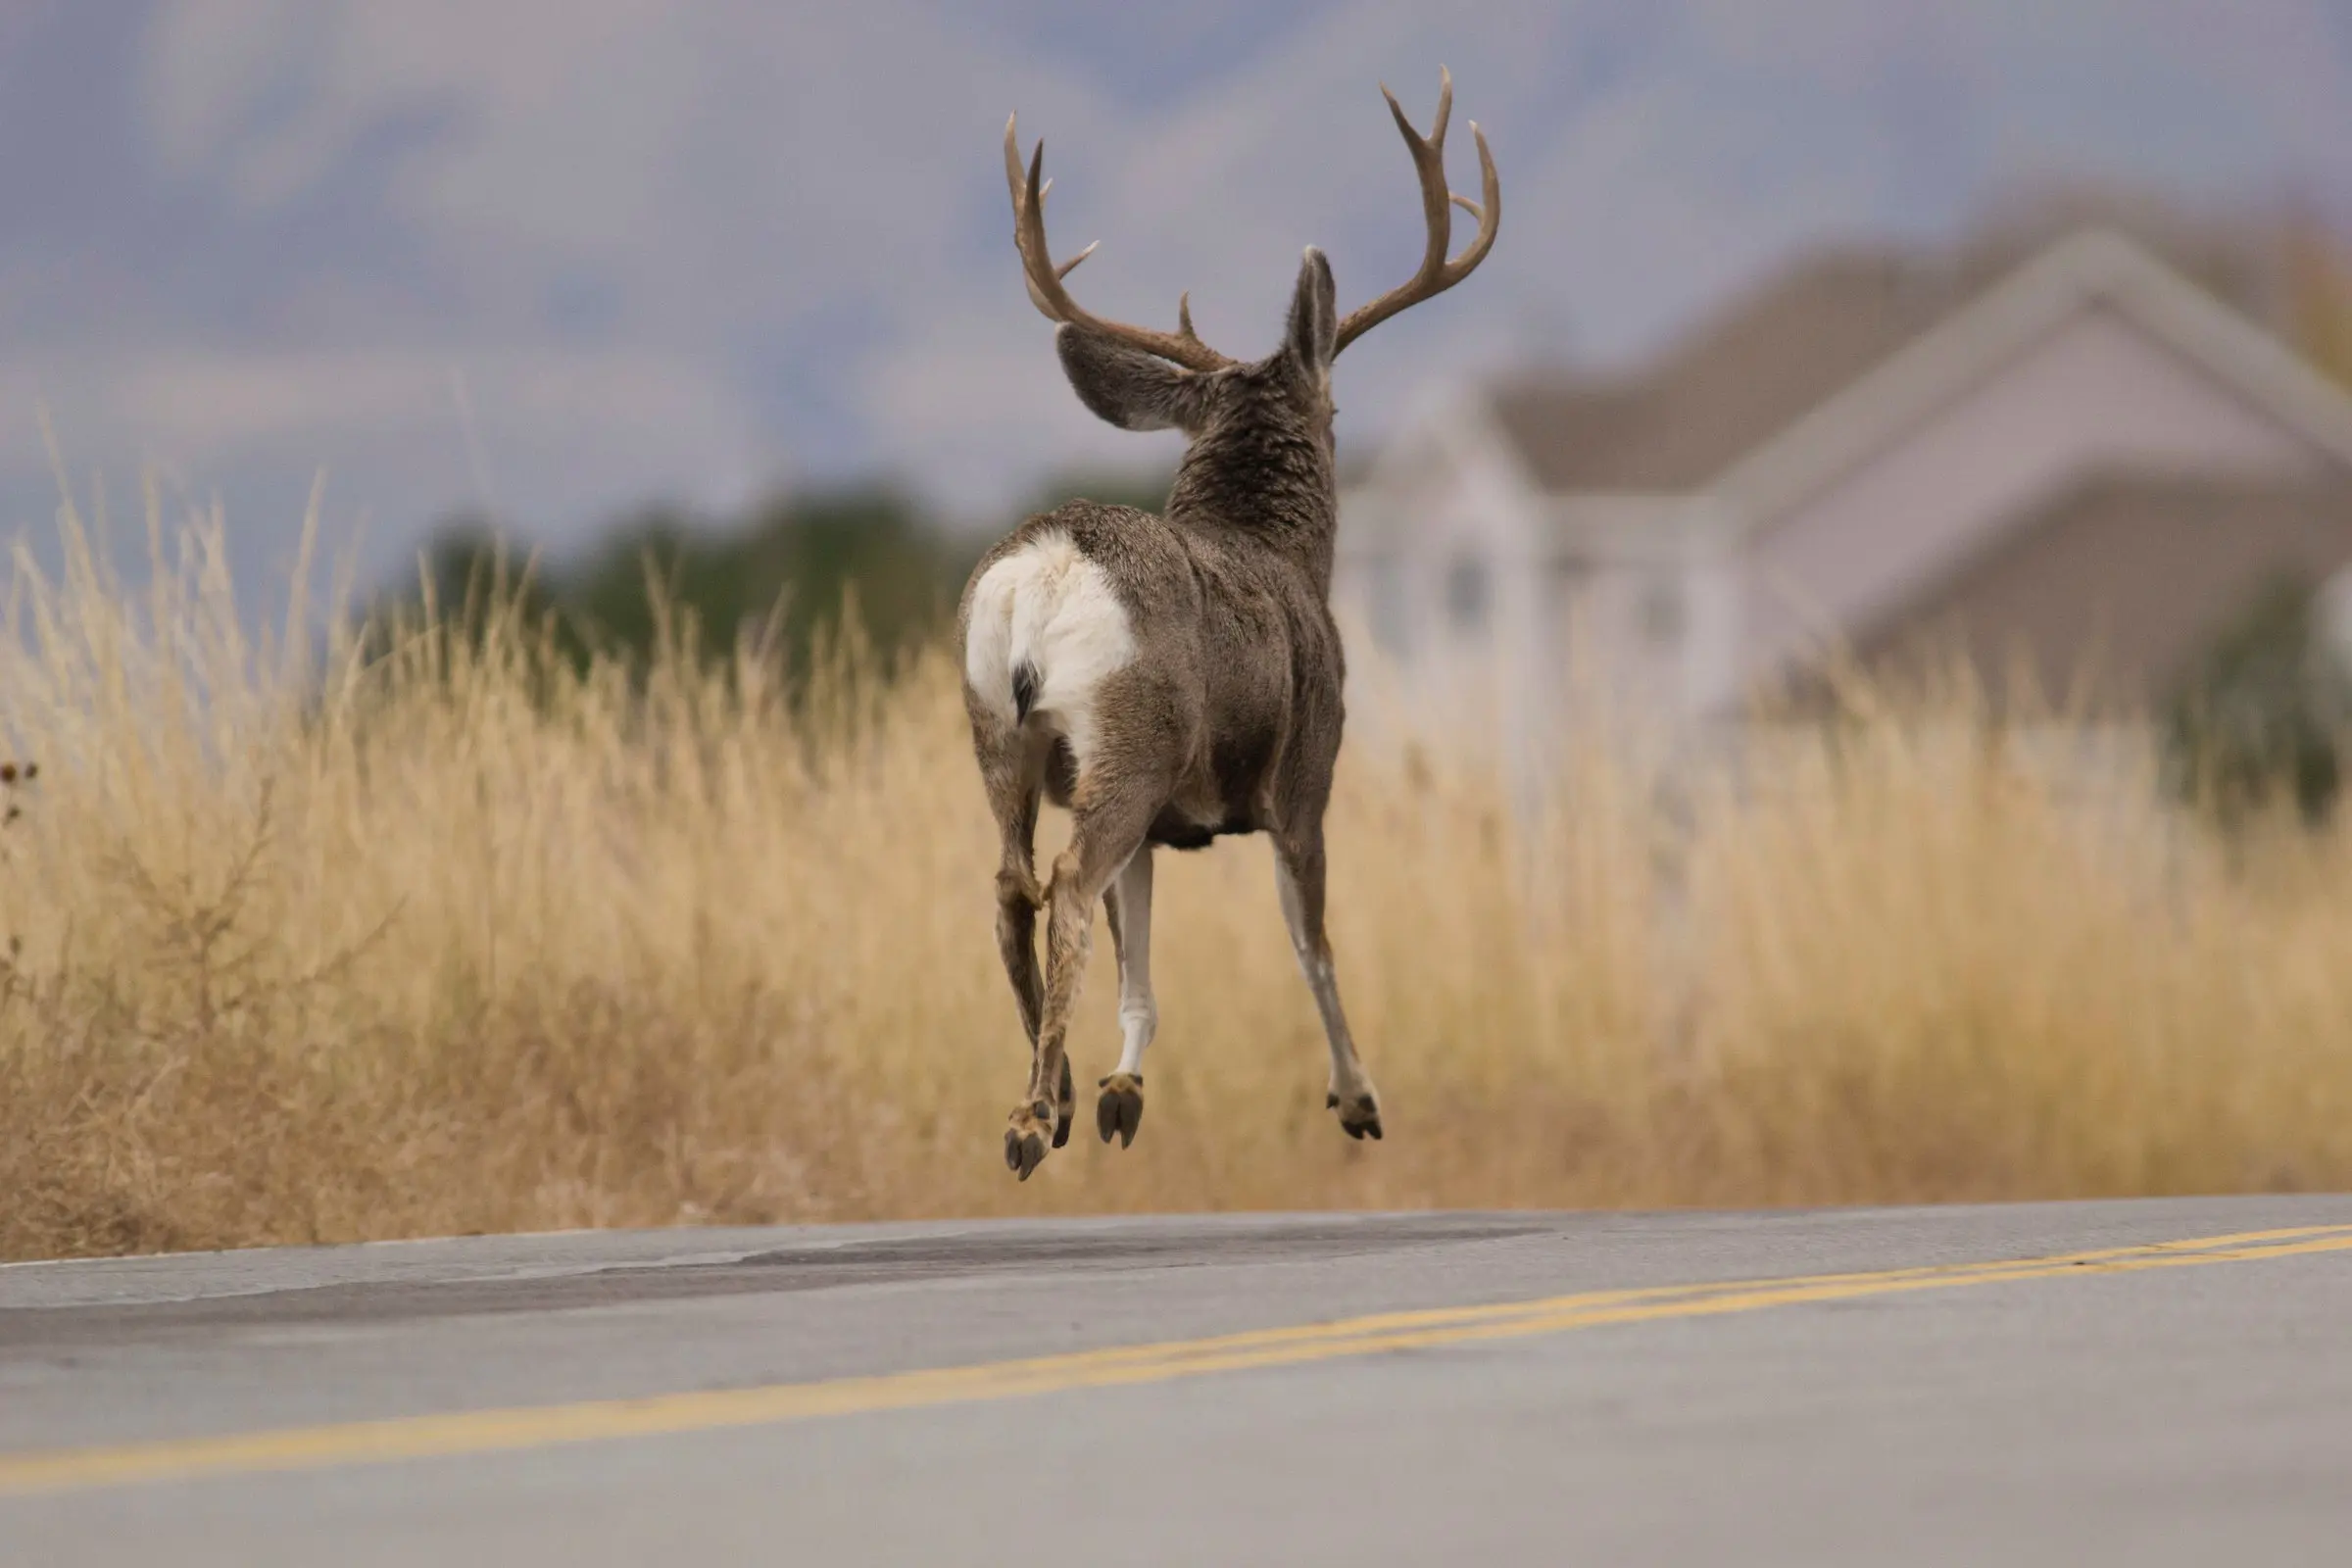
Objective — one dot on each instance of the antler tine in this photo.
(1014, 179)
(1061, 270)
(1429, 164)
(1017, 181)
(1066, 268)
(1436, 273)
(1487, 210)
(1042, 276)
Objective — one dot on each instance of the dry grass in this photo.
(433, 944)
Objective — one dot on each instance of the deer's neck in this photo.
(1273, 487)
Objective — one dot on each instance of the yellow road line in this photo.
(495, 1431)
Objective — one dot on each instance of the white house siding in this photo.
(1625, 633)
(1454, 498)
(1641, 609)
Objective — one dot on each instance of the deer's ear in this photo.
(1314, 315)
(1132, 389)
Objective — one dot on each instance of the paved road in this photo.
(1890, 1386)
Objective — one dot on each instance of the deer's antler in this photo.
(1044, 277)
(1436, 273)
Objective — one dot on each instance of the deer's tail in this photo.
(1025, 682)
(1045, 627)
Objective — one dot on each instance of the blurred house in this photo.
(2077, 457)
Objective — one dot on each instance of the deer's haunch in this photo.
(1172, 679)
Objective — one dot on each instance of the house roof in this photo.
(1738, 380)
(2093, 268)
(1831, 358)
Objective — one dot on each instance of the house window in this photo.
(1467, 592)
(1392, 616)
(1662, 612)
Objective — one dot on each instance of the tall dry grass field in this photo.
(441, 941)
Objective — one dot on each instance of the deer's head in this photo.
(1142, 379)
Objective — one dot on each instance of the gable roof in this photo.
(1731, 384)
(1821, 365)
(2094, 267)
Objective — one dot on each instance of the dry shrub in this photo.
(448, 938)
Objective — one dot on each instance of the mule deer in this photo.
(1174, 678)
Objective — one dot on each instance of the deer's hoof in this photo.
(1359, 1113)
(1120, 1111)
(1030, 1130)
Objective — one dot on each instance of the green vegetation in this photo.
(2262, 715)
(787, 576)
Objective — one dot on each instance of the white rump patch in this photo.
(1048, 607)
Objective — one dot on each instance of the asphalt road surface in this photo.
(2159, 1382)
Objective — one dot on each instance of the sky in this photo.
(552, 259)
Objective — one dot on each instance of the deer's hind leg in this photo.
(1299, 870)
(1012, 770)
(1106, 830)
(1120, 1109)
